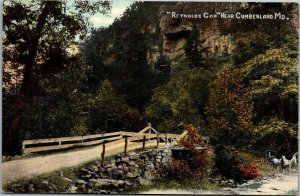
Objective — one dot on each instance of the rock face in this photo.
(122, 172)
(217, 32)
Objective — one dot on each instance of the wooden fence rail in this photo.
(39, 145)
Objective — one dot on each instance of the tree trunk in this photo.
(11, 138)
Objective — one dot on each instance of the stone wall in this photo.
(121, 173)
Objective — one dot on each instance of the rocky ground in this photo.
(278, 184)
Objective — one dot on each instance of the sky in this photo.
(118, 7)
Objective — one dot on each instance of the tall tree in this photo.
(228, 110)
(36, 37)
(194, 49)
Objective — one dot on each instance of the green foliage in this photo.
(106, 108)
(271, 79)
(227, 161)
(62, 109)
(36, 38)
(170, 106)
(276, 133)
(181, 100)
(256, 37)
(194, 50)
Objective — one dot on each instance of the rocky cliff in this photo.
(217, 32)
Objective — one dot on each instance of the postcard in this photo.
(150, 97)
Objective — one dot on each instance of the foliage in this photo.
(181, 100)
(228, 110)
(227, 161)
(36, 36)
(194, 49)
(193, 138)
(130, 118)
(171, 105)
(201, 161)
(255, 37)
(62, 110)
(178, 170)
(126, 57)
(107, 108)
(277, 134)
(249, 171)
(271, 79)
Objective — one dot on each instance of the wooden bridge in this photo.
(146, 134)
(109, 144)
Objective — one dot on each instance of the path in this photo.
(27, 168)
(280, 185)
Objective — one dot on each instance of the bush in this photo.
(201, 162)
(178, 170)
(249, 171)
(227, 162)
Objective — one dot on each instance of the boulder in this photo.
(80, 182)
(143, 181)
(125, 159)
(73, 189)
(108, 183)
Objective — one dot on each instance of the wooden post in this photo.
(126, 143)
(157, 140)
(103, 154)
(144, 142)
(59, 143)
(166, 138)
(23, 148)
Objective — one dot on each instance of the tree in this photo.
(36, 36)
(62, 108)
(170, 106)
(228, 110)
(194, 49)
(271, 80)
(106, 109)
(277, 134)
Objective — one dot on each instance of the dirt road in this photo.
(282, 184)
(27, 168)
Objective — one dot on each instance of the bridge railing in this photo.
(39, 145)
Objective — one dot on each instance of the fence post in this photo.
(103, 154)
(126, 142)
(144, 142)
(166, 138)
(23, 148)
(157, 140)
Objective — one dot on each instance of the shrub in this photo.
(227, 162)
(193, 138)
(249, 171)
(201, 162)
(177, 170)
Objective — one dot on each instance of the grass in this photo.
(41, 182)
(292, 192)
(188, 184)
(251, 157)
